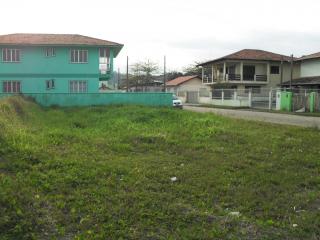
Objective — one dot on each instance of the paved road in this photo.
(278, 118)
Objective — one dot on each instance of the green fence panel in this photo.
(312, 101)
(90, 99)
(286, 101)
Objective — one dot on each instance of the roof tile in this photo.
(251, 54)
(179, 80)
(53, 39)
(311, 56)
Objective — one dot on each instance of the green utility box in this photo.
(286, 101)
(312, 101)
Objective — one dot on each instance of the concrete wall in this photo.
(310, 68)
(228, 102)
(85, 99)
(261, 69)
(287, 71)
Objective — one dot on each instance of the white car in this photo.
(176, 102)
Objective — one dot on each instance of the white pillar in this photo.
(212, 74)
(250, 98)
(235, 95)
(224, 71)
(222, 96)
(202, 74)
(268, 72)
(270, 99)
(278, 99)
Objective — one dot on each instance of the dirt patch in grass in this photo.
(17, 106)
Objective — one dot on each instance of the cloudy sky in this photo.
(183, 30)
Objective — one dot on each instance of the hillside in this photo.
(131, 172)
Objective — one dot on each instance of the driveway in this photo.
(287, 119)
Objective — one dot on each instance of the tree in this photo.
(148, 68)
(173, 74)
(141, 73)
(192, 69)
(135, 78)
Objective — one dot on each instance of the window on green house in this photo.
(11, 55)
(50, 52)
(50, 84)
(11, 86)
(104, 52)
(78, 56)
(76, 86)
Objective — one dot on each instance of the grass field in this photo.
(105, 173)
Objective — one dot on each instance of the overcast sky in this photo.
(183, 30)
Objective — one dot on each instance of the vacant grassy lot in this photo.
(105, 173)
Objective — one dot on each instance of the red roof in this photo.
(251, 54)
(27, 39)
(311, 56)
(179, 80)
(52, 39)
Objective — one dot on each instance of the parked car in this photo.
(176, 102)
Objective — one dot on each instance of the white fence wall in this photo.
(264, 98)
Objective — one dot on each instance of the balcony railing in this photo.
(255, 77)
(233, 77)
(104, 72)
(261, 78)
(104, 68)
(207, 79)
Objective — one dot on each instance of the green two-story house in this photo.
(55, 63)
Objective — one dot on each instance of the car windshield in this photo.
(175, 97)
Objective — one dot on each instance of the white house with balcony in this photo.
(309, 77)
(248, 69)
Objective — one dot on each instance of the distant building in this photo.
(188, 88)
(186, 83)
(248, 69)
(309, 73)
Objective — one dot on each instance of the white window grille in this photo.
(50, 52)
(78, 86)
(11, 86)
(11, 55)
(79, 56)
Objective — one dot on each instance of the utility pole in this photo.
(164, 75)
(127, 73)
(291, 74)
(281, 69)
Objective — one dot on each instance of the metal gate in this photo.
(300, 102)
(264, 99)
(192, 97)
